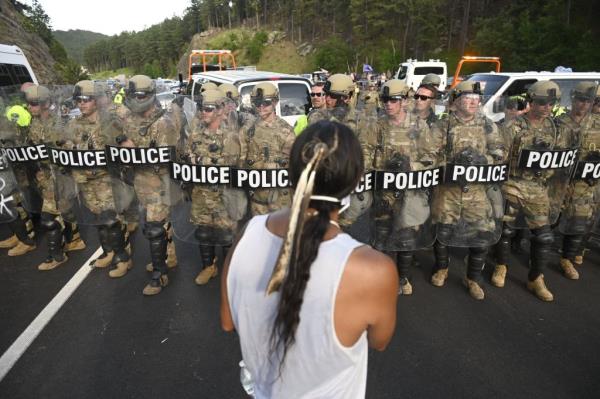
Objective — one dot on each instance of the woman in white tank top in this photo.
(306, 299)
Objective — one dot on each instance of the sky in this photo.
(110, 16)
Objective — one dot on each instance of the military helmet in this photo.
(544, 90)
(85, 88)
(229, 90)
(208, 86)
(339, 84)
(265, 90)
(431, 79)
(37, 93)
(586, 90)
(394, 88)
(466, 87)
(140, 95)
(212, 97)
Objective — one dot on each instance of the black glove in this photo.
(398, 163)
(470, 156)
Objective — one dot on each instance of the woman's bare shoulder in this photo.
(371, 266)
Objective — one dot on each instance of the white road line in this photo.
(16, 350)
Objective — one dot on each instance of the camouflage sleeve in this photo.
(369, 132)
(232, 149)
(566, 136)
(495, 143)
(436, 143)
(288, 140)
(165, 133)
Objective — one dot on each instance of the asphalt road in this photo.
(109, 341)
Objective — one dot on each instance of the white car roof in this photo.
(233, 76)
(543, 74)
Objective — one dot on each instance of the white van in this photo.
(412, 72)
(497, 87)
(294, 91)
(14, 67)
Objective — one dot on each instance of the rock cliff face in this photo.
(36, 51)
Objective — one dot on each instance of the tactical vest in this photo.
(265, 145)
(527, 136)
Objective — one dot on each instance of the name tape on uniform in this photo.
(415, 180)
(550, 159)
(78, 158)
(140, 155)
(26, 154)
(475, 174)
(201, 174)
(587, 170)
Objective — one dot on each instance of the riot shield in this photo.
(264, 174)
(468, 207)
(23, 155)
(542, 161)
(138, 160)
(83, 183)
(9, 192)
(407, 174)
(582, 198)
(211, 208)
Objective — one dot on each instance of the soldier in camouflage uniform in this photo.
(93, 130)
(14, 128)
(145, 124)
(268, 144)
(242, 119)
(529, 194)
(45, 129)
(401, 217)
(581, 205)
(465, 214)
(212, 141)
(370, 99)
(339, 90)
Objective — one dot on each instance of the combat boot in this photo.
(104, 260)
(475, 289)
(75, 245)
(207, 273)
(439, 277)
(578, 260)
(569, 269)
(155, 286)
(499, 276)
(10, 242)
(405, 287)
(51, 263)
(539, 289)
(171, 255)
(121, 269)
(20, 249)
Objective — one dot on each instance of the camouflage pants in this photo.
(97, 194)
(453, 205)
(153, 192)
(45, 183)
(209, 209)
(582, 201)
(527, 199)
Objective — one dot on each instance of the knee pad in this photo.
(508, 231)
(444, 232)
(204, 233)
(543, 236)
(478, 254)
(154, 230)
(49, 222)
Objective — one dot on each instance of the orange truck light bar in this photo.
(474, 59)
(224, 57)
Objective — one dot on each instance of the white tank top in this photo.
(317, 365)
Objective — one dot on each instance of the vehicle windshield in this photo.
(426, 70)
(402, 72)
(489, 83)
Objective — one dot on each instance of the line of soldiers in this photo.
(404, 139)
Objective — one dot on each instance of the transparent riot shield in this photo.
(406, 177)
(138, 160)
(9, 192)
(468, 207)
(580, 208)
(83, 182)
(542, 161)
(264, 176)
(23, 155)
(212, 208)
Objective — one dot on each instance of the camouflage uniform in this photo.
(467, 214)
(268, 145)
(145, 124)
(211, 205)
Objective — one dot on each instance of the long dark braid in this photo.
(336, 176)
